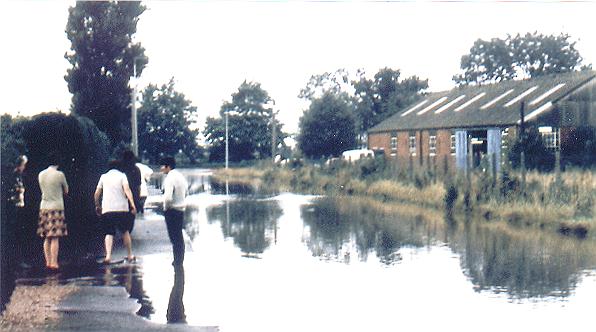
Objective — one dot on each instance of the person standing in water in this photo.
(52, 225)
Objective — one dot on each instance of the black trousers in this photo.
(174, 222)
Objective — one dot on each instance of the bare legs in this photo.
(128, 244)
(109, 242)
(51, 249)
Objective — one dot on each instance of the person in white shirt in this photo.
(52, 226)
(146, 172)
(175, 191)
(115, 204)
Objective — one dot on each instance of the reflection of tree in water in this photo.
(335, 226)
(252, 224)
(523, 263)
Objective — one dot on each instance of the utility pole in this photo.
(227, 151)
(133, 114)
(273, 136)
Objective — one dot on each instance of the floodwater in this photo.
(292, 262)
(304, 263)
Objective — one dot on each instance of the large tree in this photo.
(165, 121)
(530, 55)
(250, 126)
(385, 94)
(327, 128)
(103, 55)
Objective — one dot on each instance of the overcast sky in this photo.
(211, 47)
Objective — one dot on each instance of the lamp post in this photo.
(227, 147)
(273, 136)
(133, 114)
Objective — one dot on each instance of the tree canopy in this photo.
(165, 121)
(250, 126)
(102, 57)
(530, 55)
(327, 128)
(378, 98)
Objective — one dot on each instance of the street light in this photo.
(227, 151)
(133, 114)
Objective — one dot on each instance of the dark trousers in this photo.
(174, 222)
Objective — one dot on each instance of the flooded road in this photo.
(303, 263)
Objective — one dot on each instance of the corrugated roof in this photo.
(487, 105)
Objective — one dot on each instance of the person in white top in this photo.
(115, 205)
(146, 172)
(175, 191)
(52, 225)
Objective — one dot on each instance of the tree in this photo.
(337, 83)
(165, 121)
(384, 95)
(327, 128)
(531, 55)
(250, 129)
(102, 57)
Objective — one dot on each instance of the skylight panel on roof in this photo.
(494, 101)
(414, 108)
(449, 104)
(539, 110)
(547, 93)
(520, 97)
(433, 105)
(469, 102)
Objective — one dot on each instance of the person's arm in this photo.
(64, 185)
(97, 199)
(128, 194)
(168, 193)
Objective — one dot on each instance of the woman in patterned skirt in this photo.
(51, 225)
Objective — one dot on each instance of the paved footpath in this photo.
(110, 308)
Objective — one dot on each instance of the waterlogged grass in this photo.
(564, 204)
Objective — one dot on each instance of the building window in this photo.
(432, 145)
(412, 143)
(452, 143)
(393, 144)
(550, 137)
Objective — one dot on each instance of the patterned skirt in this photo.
(51, 223)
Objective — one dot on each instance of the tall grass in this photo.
(565, 204)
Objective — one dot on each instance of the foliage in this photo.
(165, 121)
(537, 155)
(82, 152)
(336, 83)
(102, 57)
(531, 55)
(12, 144)
(250, 127)
(580, 149)
(327, 128)
(378, 98)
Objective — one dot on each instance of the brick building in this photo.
(440, 128)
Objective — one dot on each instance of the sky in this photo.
(211, 47)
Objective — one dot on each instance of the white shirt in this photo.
(175, 191)
(53, 184)
(146, 172)
(113, 197)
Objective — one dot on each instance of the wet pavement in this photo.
(111, 297)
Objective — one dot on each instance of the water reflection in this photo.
(252, 224)
(523, 263)
(175, 313)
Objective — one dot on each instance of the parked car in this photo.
(353, 155)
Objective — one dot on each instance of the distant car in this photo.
(353, 155)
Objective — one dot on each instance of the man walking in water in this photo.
(175, 191)
(115, 204)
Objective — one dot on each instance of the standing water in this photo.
(304, 263)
